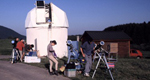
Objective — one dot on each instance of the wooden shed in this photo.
(115, 42)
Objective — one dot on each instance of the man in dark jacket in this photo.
(87, 49)
(27, 49)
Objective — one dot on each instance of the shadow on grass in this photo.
(47, 67)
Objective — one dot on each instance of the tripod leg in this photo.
(69, 58)
(18, 54)
(12, 56)
(94, 57)
(73, 53)
(108, 67)
(96, 67)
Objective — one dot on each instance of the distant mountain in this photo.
(6, 33)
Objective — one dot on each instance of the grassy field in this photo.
(5, 47)
(125, 68)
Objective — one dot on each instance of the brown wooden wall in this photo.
(123, 47)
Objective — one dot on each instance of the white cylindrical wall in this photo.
(60, 35)
(41, 37)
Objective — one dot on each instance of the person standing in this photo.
(27, 49)
(20, 46)
(15, 42)
(87, 49)
(52, 58)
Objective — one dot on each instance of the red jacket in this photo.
(20, 46)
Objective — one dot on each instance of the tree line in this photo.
(139, 32)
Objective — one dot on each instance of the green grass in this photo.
(125, 69)
(133, 69)
(5, 47)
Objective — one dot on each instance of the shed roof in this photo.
(106, 35)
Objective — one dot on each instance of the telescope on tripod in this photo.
(101, 55)
(72, 50)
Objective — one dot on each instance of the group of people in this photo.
(87, 48)
(22, 48)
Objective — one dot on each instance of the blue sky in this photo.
(82, 14)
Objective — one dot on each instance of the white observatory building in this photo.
(44, 23)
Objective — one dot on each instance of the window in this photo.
(40, 4)
(134, 51)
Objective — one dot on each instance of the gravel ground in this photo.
(20, 71)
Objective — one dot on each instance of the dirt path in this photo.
(20, 71)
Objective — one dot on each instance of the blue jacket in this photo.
(88, 48)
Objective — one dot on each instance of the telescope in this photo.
(12, 42)
(99, 49)
(101, 54)
(69, 43)
(99, 46)
(72, 50)
(73, 53)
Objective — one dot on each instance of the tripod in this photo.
(72, 50)
(69, 56)
(15, 55)
(102, 57)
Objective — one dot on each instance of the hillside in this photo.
(139, 32)
(6, 33)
